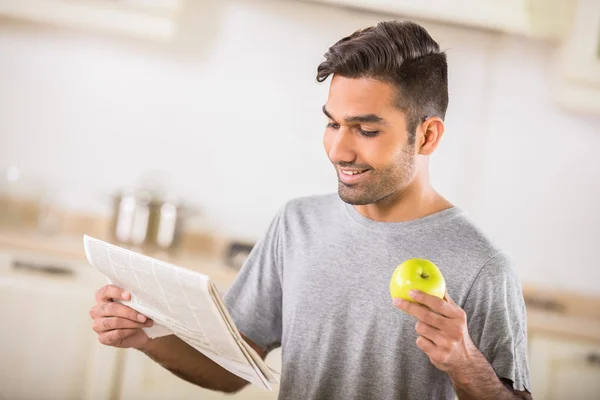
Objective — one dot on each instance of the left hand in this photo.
(442, 327)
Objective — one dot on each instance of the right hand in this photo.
(116, 324)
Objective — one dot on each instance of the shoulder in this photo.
(497, 279)
(470, 237)
(472, 250)
(475, 265)
(493, 262)
(497, 283)
(500, 266)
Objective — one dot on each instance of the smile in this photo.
(351, 172)
(351, 176)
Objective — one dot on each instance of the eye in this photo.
(333, 125)
(368, 133)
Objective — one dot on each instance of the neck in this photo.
(417, 200)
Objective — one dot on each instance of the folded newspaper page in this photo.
(180, 302)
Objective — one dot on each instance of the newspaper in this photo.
(180, 302)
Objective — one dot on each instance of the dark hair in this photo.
(401, 53)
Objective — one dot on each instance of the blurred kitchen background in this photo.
(179, 127)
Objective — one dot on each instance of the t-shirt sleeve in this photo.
(254, 300)
(497, 320)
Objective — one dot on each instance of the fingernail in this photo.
(413, 293)
(125, 295)
(141, 318)
(398, 302)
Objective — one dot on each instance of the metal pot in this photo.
(143, 218)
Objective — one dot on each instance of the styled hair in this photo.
(400, 53)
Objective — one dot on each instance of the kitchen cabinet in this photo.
(547, 19)
(139, 18)
(47, 349)
(564, 368)
(142, 378)
(578, 88)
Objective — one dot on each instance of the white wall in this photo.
(539, 188)
(230, 115)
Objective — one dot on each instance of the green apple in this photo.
(417, 274)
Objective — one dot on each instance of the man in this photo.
(318, 283)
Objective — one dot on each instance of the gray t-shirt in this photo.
(317, 284)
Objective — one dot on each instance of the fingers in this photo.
(111, 292)
(422, 313)
(116, 310)
(429, 332)
(436, 304)
(426, 345)
(116, 324)
(108, 308)
(123, 338)
(110, 323)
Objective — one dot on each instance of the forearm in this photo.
(479, 381)
(189, 364)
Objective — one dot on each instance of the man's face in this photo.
(366, 140)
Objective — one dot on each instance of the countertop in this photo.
(549, 311)
(561, 313)
(70, 247)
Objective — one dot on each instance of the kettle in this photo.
(144, 218)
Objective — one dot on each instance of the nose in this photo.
(340, 145)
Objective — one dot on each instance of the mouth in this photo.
(350, 176)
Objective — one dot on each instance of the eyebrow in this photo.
(366, 118)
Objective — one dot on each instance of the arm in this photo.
(120, 326)
(444, 337)
(479, 381)
(185, 362)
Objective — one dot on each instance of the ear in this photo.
(432, 131)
